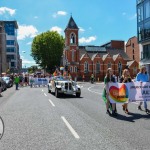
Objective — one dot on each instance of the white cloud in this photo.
(27, 62)
(133, 17)
(26, 31)
(29, 43)
(55, 28)
(36, 17)
(59, 13)
(87, 40)
(81, 29)
(4, 10)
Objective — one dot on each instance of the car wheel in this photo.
(78, 94)
(57, 93)
(49, 91)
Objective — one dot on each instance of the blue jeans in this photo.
(145, 104)
(16, 86)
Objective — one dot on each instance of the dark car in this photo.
(8, 81)
(3, 84)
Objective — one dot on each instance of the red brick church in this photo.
(82, 61)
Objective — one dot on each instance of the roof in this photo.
(72, 24)
(15, 22)
(118, 51)
(129, 63)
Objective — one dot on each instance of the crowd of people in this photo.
(142, 76)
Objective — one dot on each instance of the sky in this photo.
(99, 21)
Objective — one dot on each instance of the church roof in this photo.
(71, 24)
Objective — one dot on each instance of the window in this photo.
(13, 64)
(133, 51)
(97, 67)
(140, 33)
(119, 69)
(10, 42)
(75, 69)
(133, 57)
(109, 65)
(72, 38)
(73, 51)
(9, 57)
(147, 30)
(135, 70)
(147, 9)
(10, 49)
(132, 45)
(71, 70)
(146, 51)
(140, 13)
(86, 67)
(10, 28)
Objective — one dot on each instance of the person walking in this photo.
(142, 76)
(16, 80)
(109, 78)
(125, 78)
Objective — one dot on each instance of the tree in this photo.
(32, 69)
(47, 49)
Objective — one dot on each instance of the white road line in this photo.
(51, 103)
(42, 90)
(45, 94)
(94, 91)
(70, 128)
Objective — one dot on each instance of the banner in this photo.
(124, 92)
(118, 92)
(39, 81)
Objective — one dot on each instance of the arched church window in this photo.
(97, 67)
(109, 65)
(119, 68)
(86, 67)
(72, 38)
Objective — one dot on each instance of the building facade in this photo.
(12, 47)
(83, 61)
(133, 49)
(143, 31)
(3, 62)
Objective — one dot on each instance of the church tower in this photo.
(71, 51)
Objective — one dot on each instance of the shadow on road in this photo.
(132, 117)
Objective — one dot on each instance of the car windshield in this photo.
(61, 78)
(5, 78)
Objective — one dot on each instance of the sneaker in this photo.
(139, 108)
(114, 113)
(108, 112)
(126, 111)
(147, 111)
(123, 107)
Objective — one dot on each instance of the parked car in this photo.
(63, 85)
(8, 81)
(3, 84)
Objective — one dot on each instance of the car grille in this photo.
(68, 86)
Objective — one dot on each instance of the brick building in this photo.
(132, 49)
(82, 61)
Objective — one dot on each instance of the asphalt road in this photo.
(36, 120)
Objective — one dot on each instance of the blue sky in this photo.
(99, 20)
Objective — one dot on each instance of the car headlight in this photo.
(62, 84)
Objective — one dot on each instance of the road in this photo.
(36, 120)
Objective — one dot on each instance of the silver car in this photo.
(63, 85)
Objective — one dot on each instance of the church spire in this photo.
(71, 24)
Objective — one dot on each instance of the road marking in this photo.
(51, 103)
(70, 128)
(42, 90)
(94, 91)
(45, 94)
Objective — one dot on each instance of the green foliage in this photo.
(32, 69)
(47, 49)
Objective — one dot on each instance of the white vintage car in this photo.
(63, 85)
